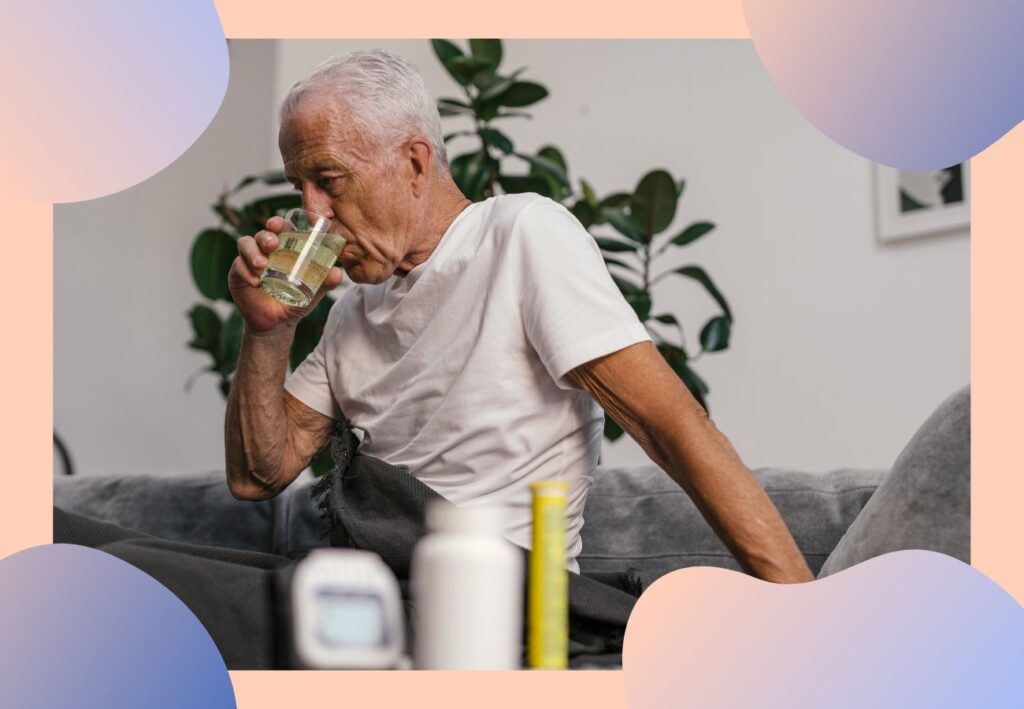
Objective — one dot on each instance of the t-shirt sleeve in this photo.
(310, 382)
(572, 310)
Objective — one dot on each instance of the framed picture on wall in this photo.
(909, 204)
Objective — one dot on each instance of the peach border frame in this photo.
(998, 379)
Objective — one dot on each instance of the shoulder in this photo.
(529, 221)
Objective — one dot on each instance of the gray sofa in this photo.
(635, 517)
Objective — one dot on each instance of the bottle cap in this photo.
(554, 488)
(445, 517)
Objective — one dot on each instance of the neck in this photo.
(444, 208)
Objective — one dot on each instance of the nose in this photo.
(314, 200)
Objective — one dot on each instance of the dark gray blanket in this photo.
(240, 596)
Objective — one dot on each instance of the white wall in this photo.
(841, 346)
(122, 290)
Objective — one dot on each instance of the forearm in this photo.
(706, 465)
(256, 424)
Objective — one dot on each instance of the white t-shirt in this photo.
(457, 370)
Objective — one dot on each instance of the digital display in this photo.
(350, 620)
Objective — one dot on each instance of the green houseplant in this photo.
(629, 227)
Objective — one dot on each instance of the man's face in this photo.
(344, 175)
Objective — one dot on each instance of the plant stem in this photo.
(647, 267)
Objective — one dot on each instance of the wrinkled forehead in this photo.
(319, 128)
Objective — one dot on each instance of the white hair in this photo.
(383, 91)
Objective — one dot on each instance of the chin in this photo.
(359, 274)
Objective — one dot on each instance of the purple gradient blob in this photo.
(84, 629)
(101, 95)
(906, 629)
(915, 84)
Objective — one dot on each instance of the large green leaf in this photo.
(257, 212)
(543, 166)
(471, 173)
(496, 139)
(692, 233)
(213, 251)
(637, 297)
(612, 430)
(205, 329)
(678, 362)
(546, 157)
(614, 245)
(522, 93)
(486, 110)
(515, 184)
(447, 53)
(466, 69)
(553, 154)
(616, 200)
(609, 261)
(653, 205)
(589, 194)
(453, 107)
(627, 287)
(230, 343)
(715, 334)
(623, 224)
(487, 50)
(698, 274)
(583, 212)
(669, 319)
(641, 304)
(445, 50)
(495, 86)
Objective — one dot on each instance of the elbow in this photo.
(250, 488)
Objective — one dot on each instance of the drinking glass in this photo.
(307, 248)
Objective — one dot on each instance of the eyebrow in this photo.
(319, 167)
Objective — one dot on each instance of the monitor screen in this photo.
(350, 619)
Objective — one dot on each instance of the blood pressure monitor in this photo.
(346, 611)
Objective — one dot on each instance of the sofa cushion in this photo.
(640, 518)
(299, 529)
(926, 502)
(194, 508)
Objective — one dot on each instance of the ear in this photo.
(420, 155)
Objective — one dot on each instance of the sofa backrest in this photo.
(635, 517)
(640, 518)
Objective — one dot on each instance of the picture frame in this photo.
(911, 204)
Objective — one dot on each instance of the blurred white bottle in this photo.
(467, 589)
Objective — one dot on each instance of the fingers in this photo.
(267, 241)
(333, 279)
(275, 224)
(251, 253)
(241, 270)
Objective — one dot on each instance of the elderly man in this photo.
(477, 342)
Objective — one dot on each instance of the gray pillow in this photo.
(925, 502)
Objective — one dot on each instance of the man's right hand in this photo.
(261, 312)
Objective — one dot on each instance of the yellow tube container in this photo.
(548, 647)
